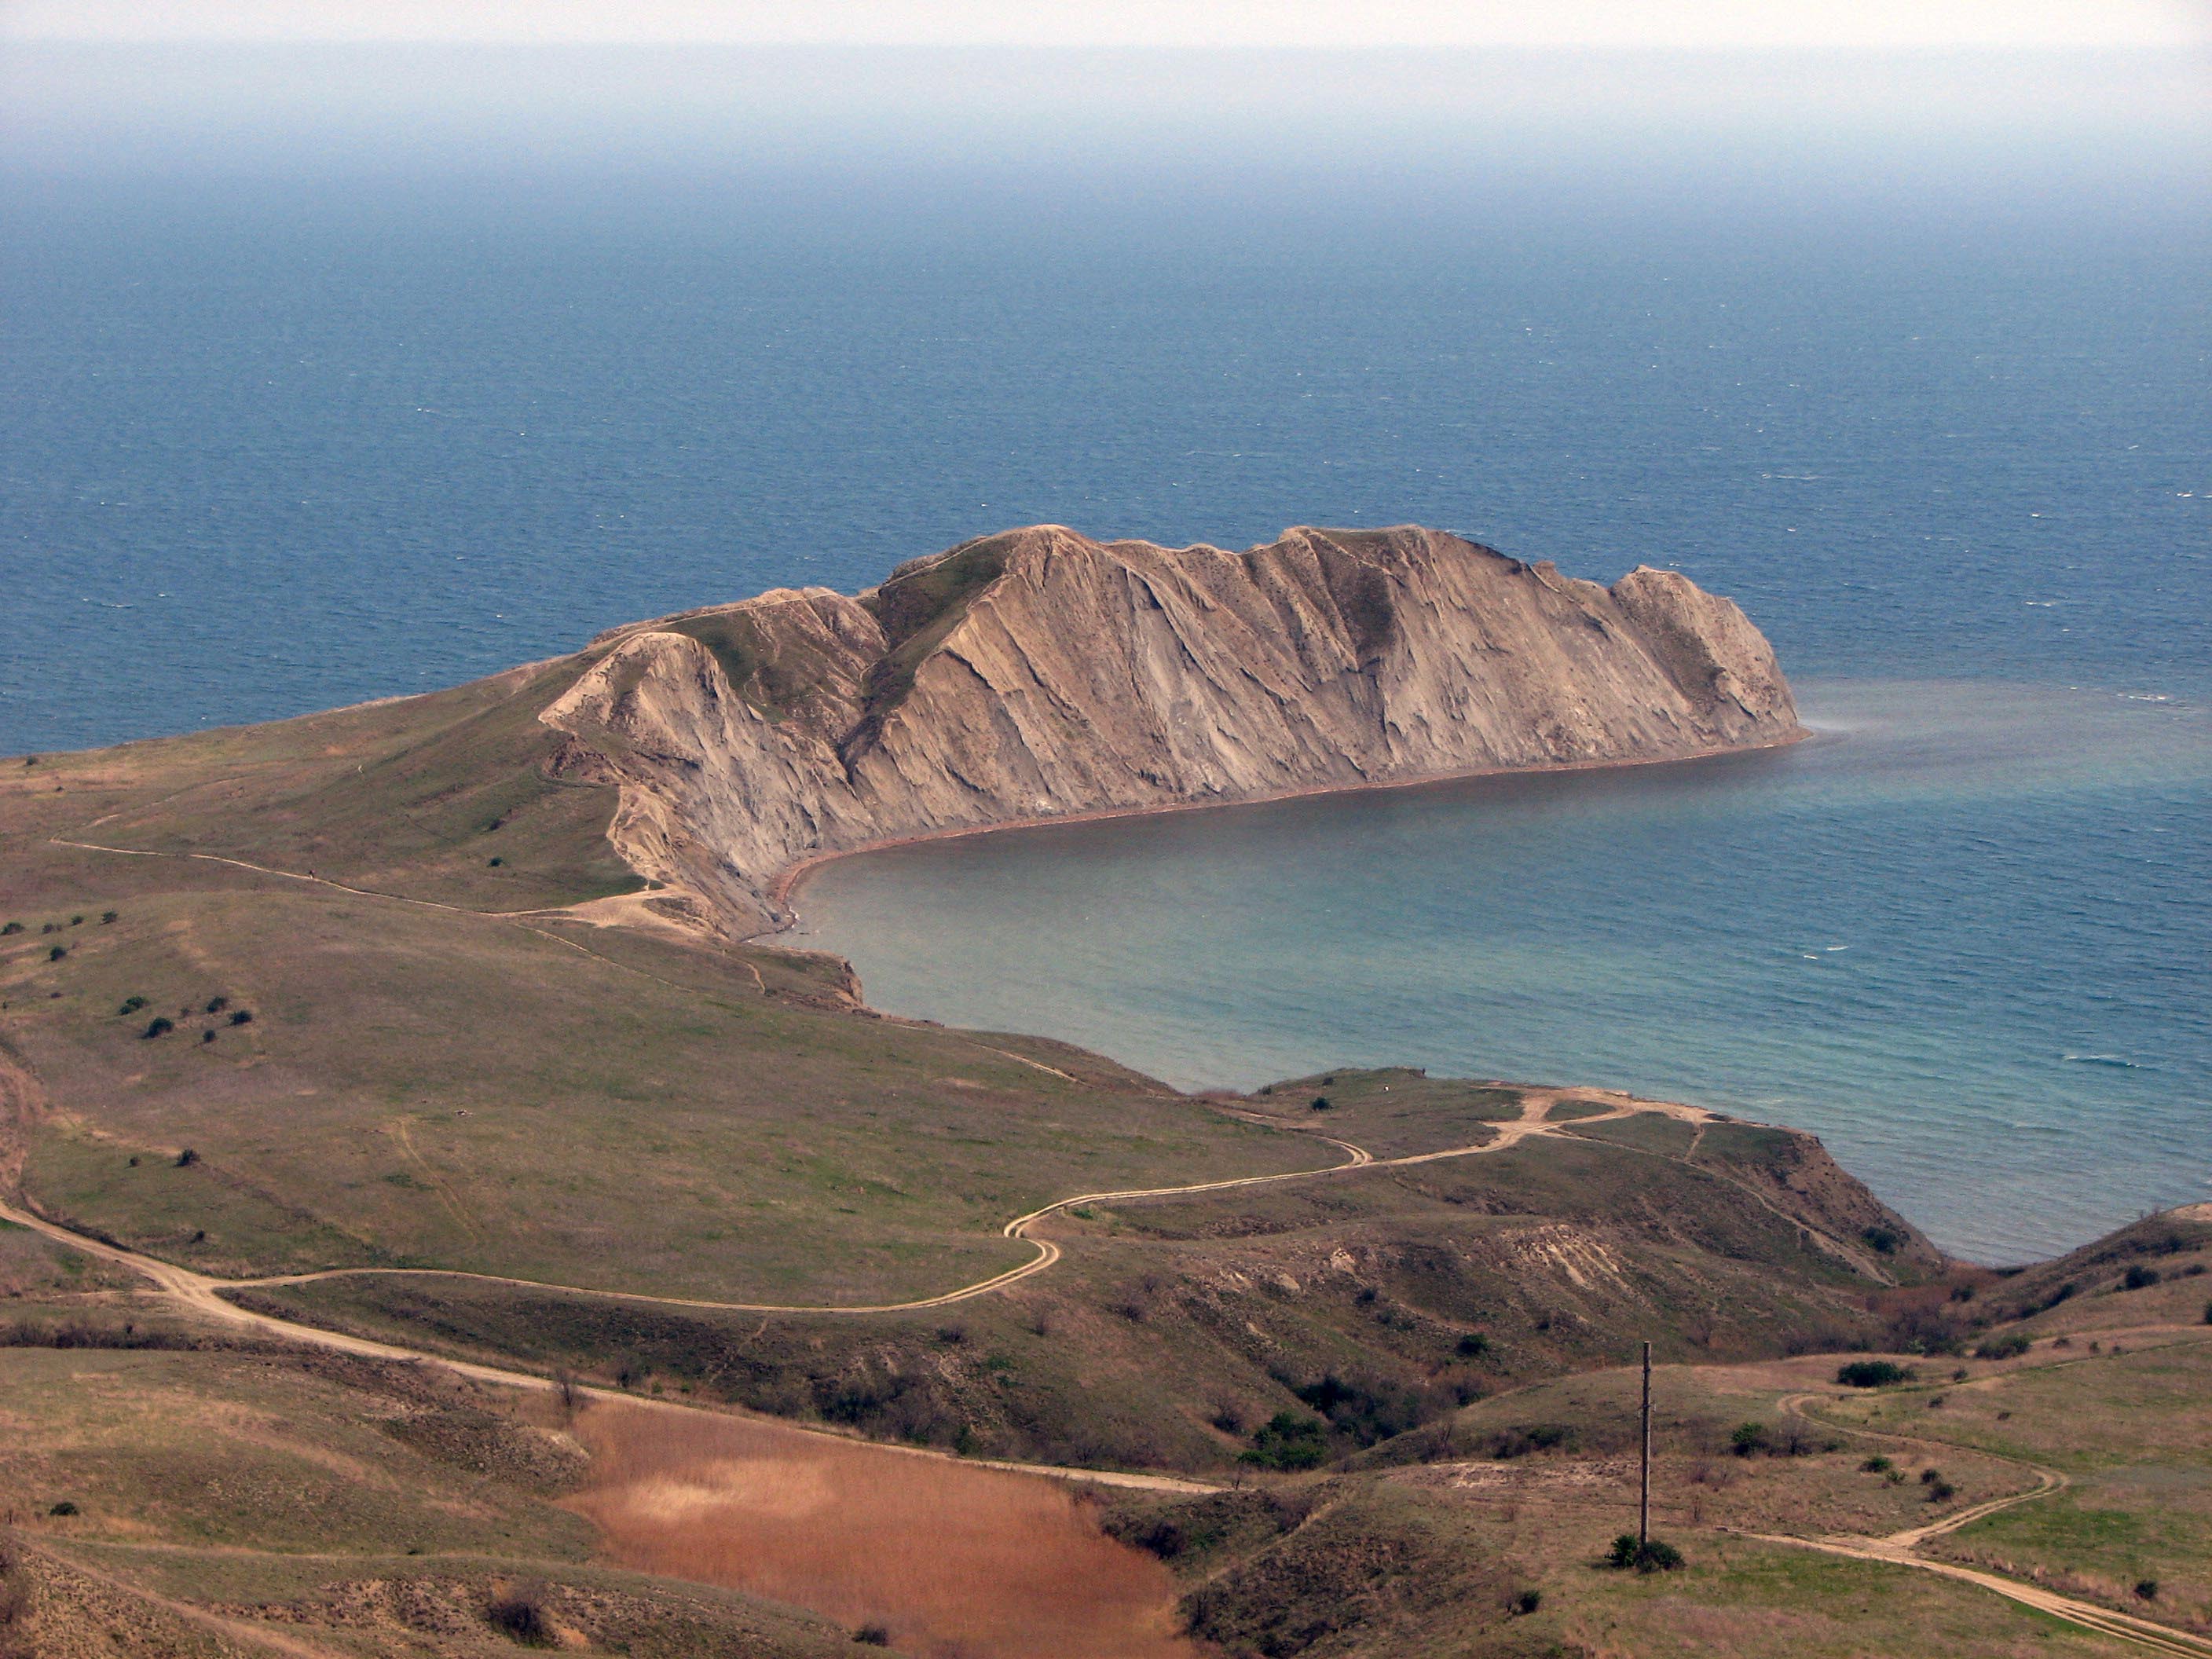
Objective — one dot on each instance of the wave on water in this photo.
(2117, 1060)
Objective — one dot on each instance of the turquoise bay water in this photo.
(1962, 934)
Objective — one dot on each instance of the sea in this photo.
(282, 430)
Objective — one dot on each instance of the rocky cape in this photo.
(1039, 674)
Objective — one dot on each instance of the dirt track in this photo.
(1898, 1549)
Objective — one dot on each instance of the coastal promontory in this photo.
(1039, 674)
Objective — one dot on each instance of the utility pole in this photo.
(1644, 1495)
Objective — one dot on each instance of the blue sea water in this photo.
(1961, 933)
(283, 437)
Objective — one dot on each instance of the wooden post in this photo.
(1643, 1496)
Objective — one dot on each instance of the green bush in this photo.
(1874, 1374)
(1651, 1556)
(1472, 1346)
(132, 1006)
(1288, 1441)
(160, 1025)
(58, 953)
(1321, 1103)
(11, 927)
(2139, 1278)
(1747, 1438)
(2010, 1345)
(242, 1017)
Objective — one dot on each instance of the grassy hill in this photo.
(315, 999)
(1487, 1532)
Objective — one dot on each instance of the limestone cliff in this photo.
(1037, 673)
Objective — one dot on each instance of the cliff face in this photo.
(1038, 673)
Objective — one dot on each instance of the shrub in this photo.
(132, 1006)
(1651, 1556)
(1523, 1438)
(107, 916)
(217, 1004)
(495, 863)
(2010, 1345)
(77, 921)
(1367, 1412)
(2139, 1278)
(1941, 1492)
(1472, 1346)
(186, 1158)
(64, 1508)
(160, 1025)
(521, 1615)
(243, 1016)
(1321, 1103)
(207, 1036)
(1288, 1441)
(873, 1636)
(1747, 1438)
(2208, 1313)
(58, 953)
(1528, 1601)
(1872, 1374)
(2146, 1589)
(11, 927)
(1877, 1464)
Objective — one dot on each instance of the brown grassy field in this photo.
(222, 1500)
(951, 1561)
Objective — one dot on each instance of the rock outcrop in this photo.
(1039, 674)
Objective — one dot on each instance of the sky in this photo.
(1615, 24)
(2095, 89)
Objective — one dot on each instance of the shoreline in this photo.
(782, 889)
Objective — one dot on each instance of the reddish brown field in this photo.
(977, 1564)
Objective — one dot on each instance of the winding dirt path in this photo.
(202, 1290)
(1899, 1548)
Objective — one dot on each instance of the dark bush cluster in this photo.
(1651, 1555)
(1874, 1374)
(520, 1616)
(2010, 1345)
(77, 1334)
(1365, 1412)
